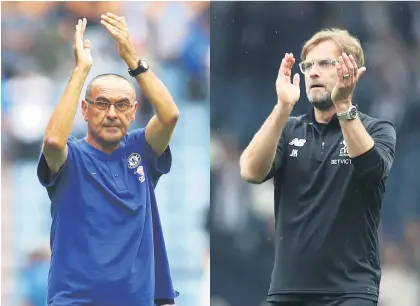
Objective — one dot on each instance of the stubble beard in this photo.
(322, 102)
(105, 142)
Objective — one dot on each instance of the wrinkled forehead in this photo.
(113, 89)
(324, 50)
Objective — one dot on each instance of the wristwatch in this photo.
(349, 114)
(143, 66)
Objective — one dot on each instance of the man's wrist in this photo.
(82, 70)
(283, 109)
(342, 106)
(132, 62)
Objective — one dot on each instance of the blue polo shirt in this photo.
(102, 230)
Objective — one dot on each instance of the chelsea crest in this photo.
(134, 160)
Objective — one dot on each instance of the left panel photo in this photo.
(105, 153)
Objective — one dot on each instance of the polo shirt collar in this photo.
(116, 154)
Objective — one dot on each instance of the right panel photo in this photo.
(315, 138)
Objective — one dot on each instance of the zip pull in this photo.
(323, 144)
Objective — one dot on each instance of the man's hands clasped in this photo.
(117, 27)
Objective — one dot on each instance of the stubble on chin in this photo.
(319, 97)
(322, 102)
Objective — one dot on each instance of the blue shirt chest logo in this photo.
(133, 162)
(140, 173)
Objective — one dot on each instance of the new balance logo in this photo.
(297, 142)
(294, 153)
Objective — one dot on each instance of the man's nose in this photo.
(111, 114)
(315, 72)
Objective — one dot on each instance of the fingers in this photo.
(347, 66)
(290, 60)
(111, 28)
(353, 65)
(114, 24)
(342, 69)
(111, 21)
(296, 79)
(115, 17)
(286, 65)
(84, 23)
(77, 35)
(86, 44)
(360, 72)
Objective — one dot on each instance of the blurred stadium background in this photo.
(37, 60)
(248, 41)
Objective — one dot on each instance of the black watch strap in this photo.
(143, 66)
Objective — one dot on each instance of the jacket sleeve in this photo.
(376, 164)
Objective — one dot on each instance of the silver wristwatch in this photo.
(349, 114)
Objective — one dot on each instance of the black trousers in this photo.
(319, 302)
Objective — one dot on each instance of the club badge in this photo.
(134, 160)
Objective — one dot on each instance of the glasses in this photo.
(323, 64)
(102, 105)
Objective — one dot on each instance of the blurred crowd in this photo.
(37, 60)
(248, 42)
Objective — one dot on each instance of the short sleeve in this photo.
(45, 176)
(279, 157)
(158, 164)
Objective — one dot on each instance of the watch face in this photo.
(353, 112)
(145, 64)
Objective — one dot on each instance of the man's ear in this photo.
(133, 114)
(85, 110)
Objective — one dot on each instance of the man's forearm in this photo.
(358, 140)
(258, 157)
(61, 122)
(158, 95)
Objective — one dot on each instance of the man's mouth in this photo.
(316, 86)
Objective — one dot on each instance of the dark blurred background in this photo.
(36, 62)
(248, 41)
